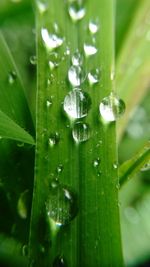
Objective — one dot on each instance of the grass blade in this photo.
(85, 168)
(133, 75)
(10, 130)
(12, 99)
(129, 168)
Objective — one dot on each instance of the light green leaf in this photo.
(129, 168)
(11, 130)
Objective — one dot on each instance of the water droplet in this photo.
(59, 262)
(22, 205)
(59, 168)
(33, 60)
(96, 162)
(93, 27)
(12, 76)
(48, 103)
(75, 76)
(42, 6)
(146, 167)
(76, 11)
(54, 183)
(54, 139)
(89, 50)
(81, 132)
(77, 104)
(67, 52)
(25, 250)
(111, 108)
(51, 41)
(61, 206)
(115, 165)
(77, 59)
(94, 76)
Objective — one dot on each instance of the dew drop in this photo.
(77, 59)
(94, 76)
(77, 104)
(61, 206)
(115, 165)
(75, 76)
(42, 6)
(59, 168)
(76, 11)
(22, 205)
(59, 262)
(146, 167)
(96, 162)
(51, 41)
(33, 60)
(81, 132)
(93, 27)
(54, 139)
(48, 103)
(54, 183)
(12, 76)
(111, 108)
(89, 49)
(25, 250)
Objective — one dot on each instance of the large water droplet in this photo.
(76, 11)
(111, 108)
(22, 204)
(77, 104)
(94, 76)
(77, 59)
(54, 139)
(61, 205)
(75, 76)
(89, 49)
(59, 262)
(51, 41)
(93, 27)
(81, 132)
(12, 76)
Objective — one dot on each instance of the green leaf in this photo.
(84, 170)
(133, 63)
(12, 99)
(10, 130)
(129, 168)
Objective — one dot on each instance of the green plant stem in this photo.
(93, 237)
(132, 166)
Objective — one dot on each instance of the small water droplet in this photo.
(96, 162)
(54, 183)
(81, 132)
(115, 165)
(59, 168)
(89, 49)
(25, 250)
(61, 206)
(77, 104)
(146, 167)
(76, 11)
(94, 76)
(59, 262)
(33, 60)
(54, 139)
(12, 76)
(42, 6)
(75, 76)
(93, 27)
(51, 41)
(77, 59)
(22, 205)
(48, 103)
(111, 108)
(67, 52)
